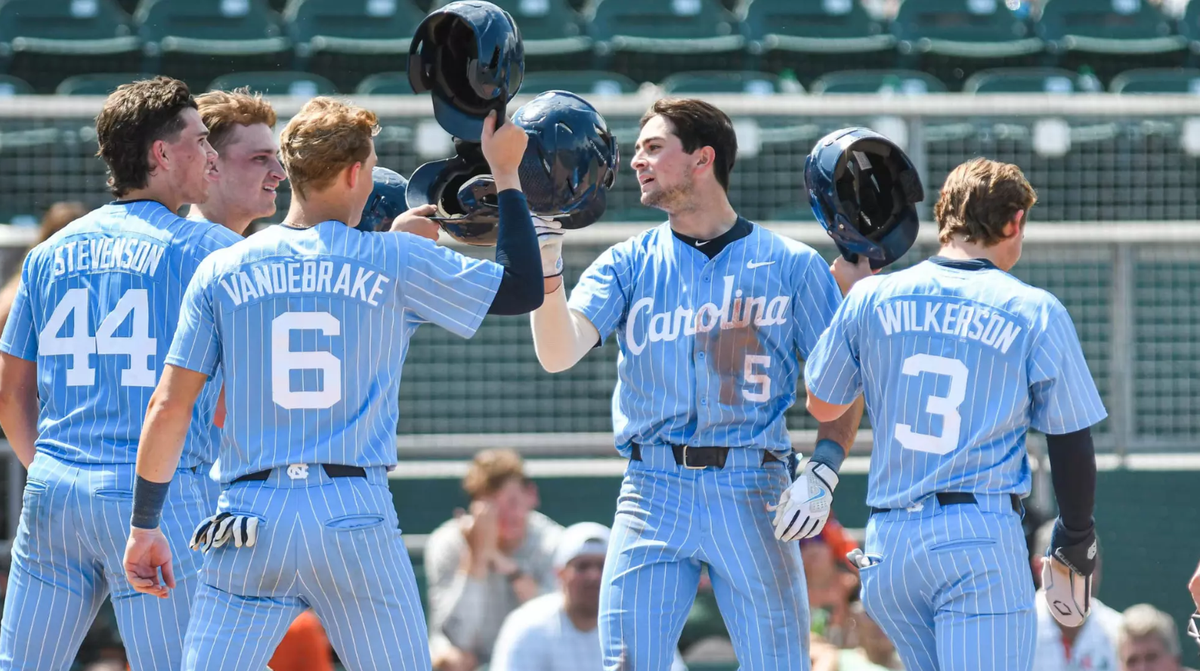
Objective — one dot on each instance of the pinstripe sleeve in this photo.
(832, 369)
(20, 338)
(444, 287)
(196, 345)
(817, 299)
(602, 294)
(1064, 396)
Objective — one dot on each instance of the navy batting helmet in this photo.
(570, 161)
(469, 55)
(863, 189)
(464, 193)
(387, 200)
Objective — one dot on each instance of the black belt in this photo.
(332, 470)
(698, 457)
(958, 498)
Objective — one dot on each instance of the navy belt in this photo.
(958, 498)
(332, 470)
(698, 457)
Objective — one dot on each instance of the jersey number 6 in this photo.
(945, 406)
(284, 360)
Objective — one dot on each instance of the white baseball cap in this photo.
(578, 540)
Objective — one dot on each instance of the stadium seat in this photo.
(649, 41)
(13, 86)
(1157, 80)
(301, 84)
(585, 83)
(812, 37)
(953, 39)
(348, 40)
(43, 41)
(197, 40)
(98, 84)
(552, 32)
(752, 83)
(385, 84)
(1031, 80)
(1110, 36)
(904, 82)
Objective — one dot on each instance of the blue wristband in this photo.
(831, 454)
(148, 500)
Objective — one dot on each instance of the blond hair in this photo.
(221, 111)
(1144, 620)
(491, 470)
(979, 198)
(323, 139)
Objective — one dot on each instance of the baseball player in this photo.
(957, 360)
(310, 322)
(712, 315)
(79, 359)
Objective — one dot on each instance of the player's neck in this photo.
(961, 250)
(318, 207)
(217, 213)
(159, 193)
(708, 219)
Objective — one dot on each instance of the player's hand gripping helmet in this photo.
(863, 190)
(387, 200)
(470, 57)
(570, 161)
(464, 193)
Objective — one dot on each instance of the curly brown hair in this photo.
(979, 198)
(221, 111)
(323, 139)
(135, 116)
(491, 470)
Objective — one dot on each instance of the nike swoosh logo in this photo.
(701, 243)
(819, 494)
(758, 264)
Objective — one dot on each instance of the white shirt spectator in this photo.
(539, 636)
(1094, 649)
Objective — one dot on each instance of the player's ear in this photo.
(1015, 226)
(353, 174)
(158, 155)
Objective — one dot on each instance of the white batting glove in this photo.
(219, 529)
(804, 507)
(550, 239)
(1068, 594)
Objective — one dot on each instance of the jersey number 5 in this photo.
(139, 346)
(945, 406)
(284, 360)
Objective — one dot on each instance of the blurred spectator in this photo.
(831, 581)
(874, 651)
(1194, 587)
(484, 563)
(558, 631)
(106, 665)
(304, 647)
(1148, 640)
(1059, 648)
(55, 219)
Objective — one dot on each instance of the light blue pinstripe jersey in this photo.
(958, 360)
(311, 327)
(709, 349)
(96, 309)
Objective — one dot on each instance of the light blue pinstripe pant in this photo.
(332, 544)
(68, 556)
(952, 587)
(670, 519)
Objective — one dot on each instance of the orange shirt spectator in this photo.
(305, 647)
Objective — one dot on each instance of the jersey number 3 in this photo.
(944, 406)
(139, 346)
(284, 360)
